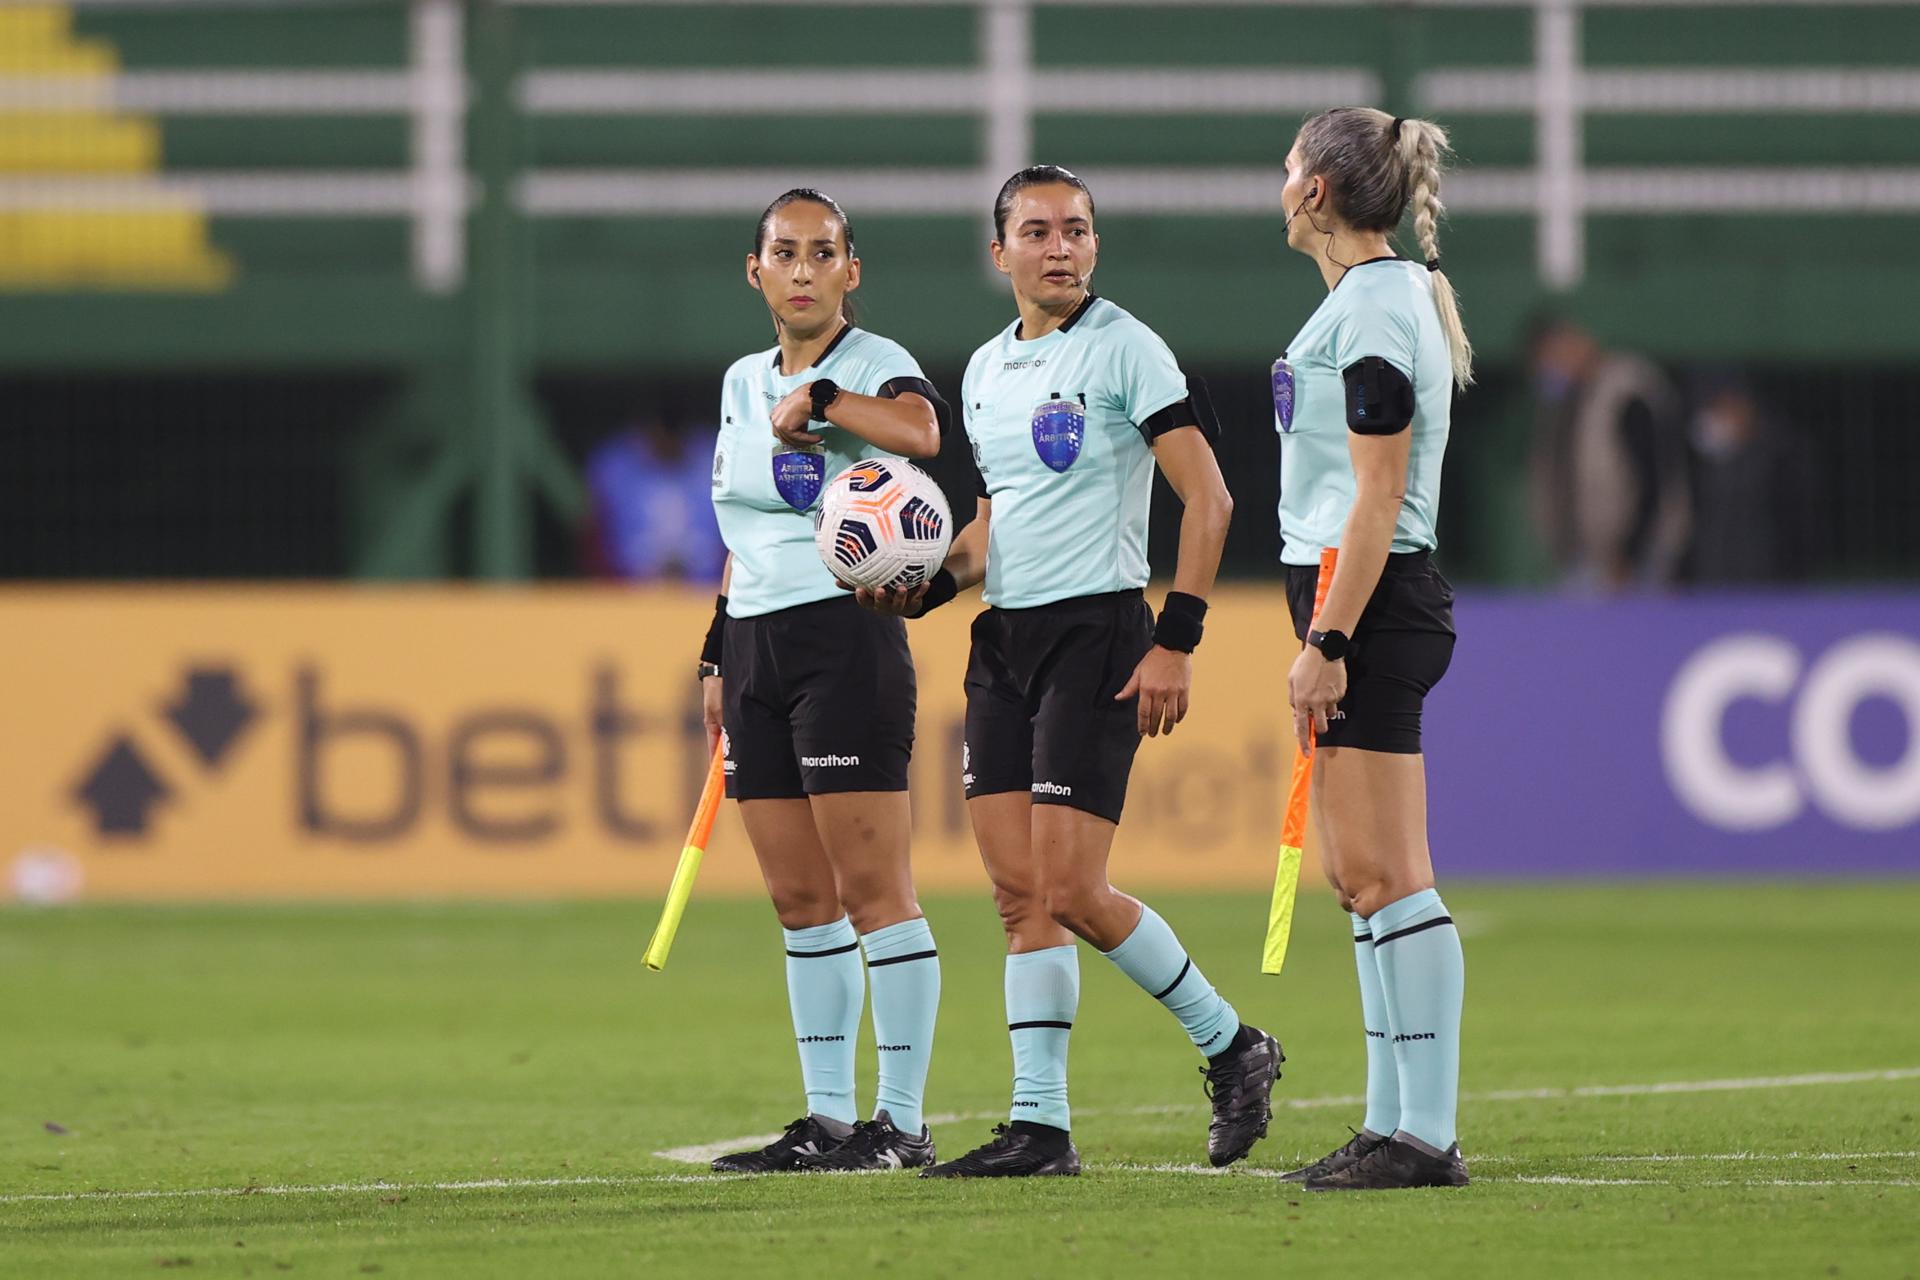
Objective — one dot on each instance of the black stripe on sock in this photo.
(831, 951)
(1022, 1026)
(1181, 977)
(916, 955)
(1422, 927)
(1362, 937)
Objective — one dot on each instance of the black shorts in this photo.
(1401, 648)
(1041, 715)
(818, 698)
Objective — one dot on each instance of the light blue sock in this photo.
(826, 989)
(904, 970)
(1043, 994)
(1383, 1078)
(1424, 977)
(1154, 959)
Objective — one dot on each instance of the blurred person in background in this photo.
(1750, 513)
(653, 518)
(1609, 487)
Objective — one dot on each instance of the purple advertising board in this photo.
(1700, 736)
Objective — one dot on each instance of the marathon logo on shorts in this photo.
(829, 762)
(1417, 1035)
(1051, 789)
(819, 1039)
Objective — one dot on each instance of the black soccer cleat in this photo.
(1240, 1083)
(803, 1138)
(1018, 1150)
(873, 1145)
(1395, 1165)
(1357, 1148)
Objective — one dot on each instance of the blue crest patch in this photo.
(799, 477)
(1059, 428)
(1283, 394)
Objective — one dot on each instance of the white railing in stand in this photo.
(1005, 91)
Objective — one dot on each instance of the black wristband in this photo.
(1182, 619)
(716, 632)
(940, 589)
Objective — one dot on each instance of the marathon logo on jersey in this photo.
(1059, 428)
(1283, 394)
(1015, 366)
(1051, 789)
(829, 762)
(799, 476)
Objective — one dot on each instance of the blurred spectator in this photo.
(1751, 508)
(652, 505)
(1609, 467)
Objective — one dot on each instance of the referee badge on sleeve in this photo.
(1059, 427)
(1283, 394)
(799, 475)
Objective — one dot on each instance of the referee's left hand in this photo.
(1314, 687)
(1162, 680)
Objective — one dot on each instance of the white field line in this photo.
(706, 1151)
(1557, 1180)
(703, 1152)
(348, 1188)
(511, 1184)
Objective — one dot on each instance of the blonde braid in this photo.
(1422, 147)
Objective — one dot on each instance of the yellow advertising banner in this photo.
(357, 742)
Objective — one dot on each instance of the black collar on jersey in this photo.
(1391, 257)
(838, 338)
(1078, 311)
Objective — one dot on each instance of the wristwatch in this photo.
(706, 669)
(1333, 645)
(823, 393)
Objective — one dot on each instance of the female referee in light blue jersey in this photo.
(1362, 404)
(822, 787)
(1068, 410)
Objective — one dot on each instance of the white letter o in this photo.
(1715, 788)
(1850, 791)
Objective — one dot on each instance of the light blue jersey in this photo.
(775, 565)
(1381, 308)
(1055, 427)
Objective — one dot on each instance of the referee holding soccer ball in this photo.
(823, 795)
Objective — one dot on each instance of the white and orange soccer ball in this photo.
(883, 523)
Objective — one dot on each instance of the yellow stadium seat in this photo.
(160, 245)
(76, 142)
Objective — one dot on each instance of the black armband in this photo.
(894, 388)
(1379, 398)
(1181, 621)
(716, 632)
(1194, 411)
(940, 589)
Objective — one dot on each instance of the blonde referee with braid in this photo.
(1362, 401)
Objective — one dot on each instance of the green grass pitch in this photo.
(483, 1090)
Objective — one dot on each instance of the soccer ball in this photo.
(883, 523)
